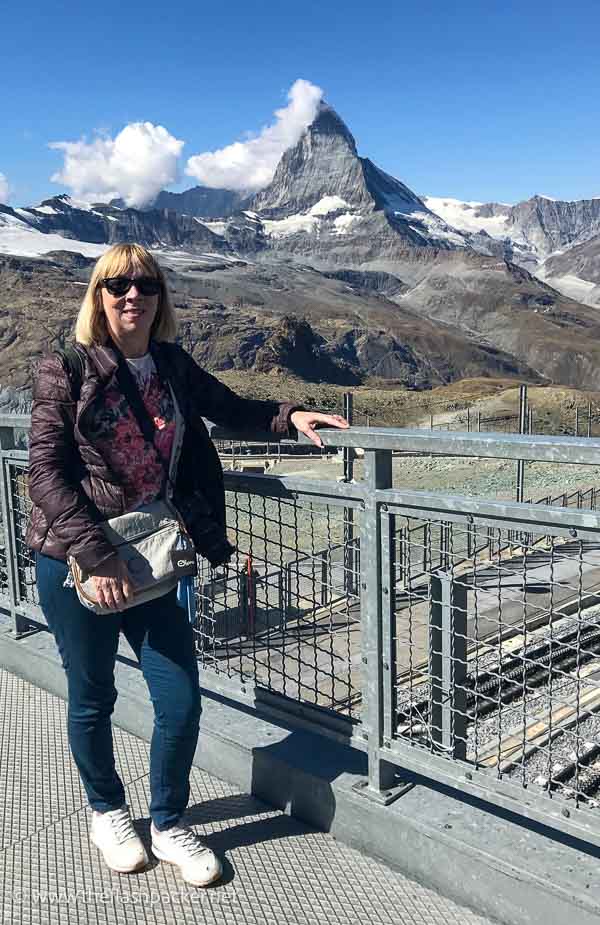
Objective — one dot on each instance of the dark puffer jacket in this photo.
(72, 486)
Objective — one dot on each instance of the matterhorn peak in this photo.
(328, 122)
(324, 162)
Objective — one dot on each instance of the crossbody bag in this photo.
(151, 540)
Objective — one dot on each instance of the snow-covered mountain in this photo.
(534, 234)
(78, 225)
(322, 187)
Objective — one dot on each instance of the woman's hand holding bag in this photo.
(113, 586)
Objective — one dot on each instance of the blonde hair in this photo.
(120, 260)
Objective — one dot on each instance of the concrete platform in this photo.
(478, 856)
(277, 869)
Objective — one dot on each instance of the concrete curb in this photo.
(483, 858)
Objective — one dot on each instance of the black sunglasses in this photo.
(120, 285)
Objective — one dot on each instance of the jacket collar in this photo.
(105, 358)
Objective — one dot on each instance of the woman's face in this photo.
(129, 317)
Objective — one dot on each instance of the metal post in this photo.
(478, 420)
(243, 599)
(576, 420)
(21, 624)
(348, 451)
(589, 419)
(388, 629)
(324, 577)
(376, 607)
(522, 430)
(448, 664)
(349, 545)
(468, 420)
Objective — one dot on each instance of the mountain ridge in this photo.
(387, 286)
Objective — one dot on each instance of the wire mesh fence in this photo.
(20, 508)
(497, 634)
(284, 614)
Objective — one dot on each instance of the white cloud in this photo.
(250, 165)
(135, 165)
(4, 188)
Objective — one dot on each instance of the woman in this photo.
(89, 461)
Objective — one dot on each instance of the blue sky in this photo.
(478, 100)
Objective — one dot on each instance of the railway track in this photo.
(533, 712)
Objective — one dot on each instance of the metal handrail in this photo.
(490, 445)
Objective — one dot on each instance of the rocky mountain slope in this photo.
(200, 202)
(247, 316)
(576, 271)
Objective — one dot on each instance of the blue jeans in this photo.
(161, 636)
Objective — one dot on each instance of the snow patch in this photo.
(433, 226)
(47, 210)
(6, 219)
(215, 227)
(312, 221)
(462, 215)
(283, 227)
(328, 204)
(343, 223)
(23, 241)
(28, 216)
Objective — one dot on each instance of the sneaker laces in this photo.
(187, 839)
(121, 824)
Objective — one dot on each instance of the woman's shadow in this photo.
(296, 780)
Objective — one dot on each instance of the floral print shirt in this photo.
(120, 439)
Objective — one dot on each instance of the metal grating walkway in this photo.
(277, 870)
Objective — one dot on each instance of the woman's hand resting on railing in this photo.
(305, 421)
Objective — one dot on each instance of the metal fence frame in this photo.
(379, 503)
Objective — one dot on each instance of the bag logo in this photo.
(183, 564)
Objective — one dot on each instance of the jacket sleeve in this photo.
(52, 463)
(214, 400)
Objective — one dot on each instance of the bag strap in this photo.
(74, 364)
(130, 390)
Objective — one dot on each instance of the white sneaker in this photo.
(113, 833)
(181, 846)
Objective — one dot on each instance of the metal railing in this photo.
(453, 637)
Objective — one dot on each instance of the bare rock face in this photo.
(238, 316)
(385, 284)
(548, 224)
(582, 261)
(294, 346)
(575, 271)
(201, 202)
(323, 163)
(245, 233)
